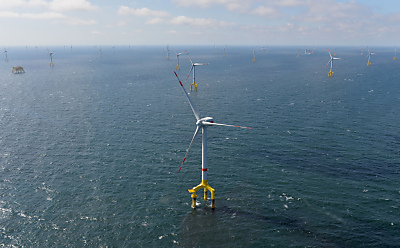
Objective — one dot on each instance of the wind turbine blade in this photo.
(177, 54)
(328, 63)
(191, 143)
(191, 68)
(189, 57)
(195, 112)
(225, 125)
(195, 64)
(330, 53)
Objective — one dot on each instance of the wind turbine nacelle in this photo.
(205, 120)
(208, 119)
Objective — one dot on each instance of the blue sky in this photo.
(201, 22)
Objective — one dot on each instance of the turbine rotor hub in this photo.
(204, 121)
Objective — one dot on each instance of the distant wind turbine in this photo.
(5, 52)
(395, 53)
(51, 58)
(194, 72)
(331, 73)
(369, 57)
(178, 67)
(167, 51)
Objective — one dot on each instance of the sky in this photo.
(201, 22)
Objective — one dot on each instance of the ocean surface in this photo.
(90, 149)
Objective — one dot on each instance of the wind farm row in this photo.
(265, 51)
(261, 51)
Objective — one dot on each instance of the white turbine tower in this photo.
(330, 73)
(201, 123)
(194, 72)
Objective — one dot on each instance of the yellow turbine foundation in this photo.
(368, 63)
(203, 185)
(330, 73)
(193, 85)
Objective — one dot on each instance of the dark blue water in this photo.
(90, 149)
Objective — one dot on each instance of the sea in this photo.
(91, 148)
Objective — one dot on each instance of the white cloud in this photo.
(123, 10)
(171, 32)
(96, 32)
(80, 22)
(46, 10)
(202, 22)
(229, 4)
(290, 3)
(156, 20)
(133, 32)
(6, 4)
(56, 5)
(33, 16)
(9, 14)
(269, 12)
(71, 5)
(47, 16)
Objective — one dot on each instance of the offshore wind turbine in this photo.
(395, 53)
(254, 55)
(331, 73)
(369, 57)
(178, 67)
(5, 52)
(201, 123)
(194, 72)
(265, 50)
(51, 58)
(167, 51)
